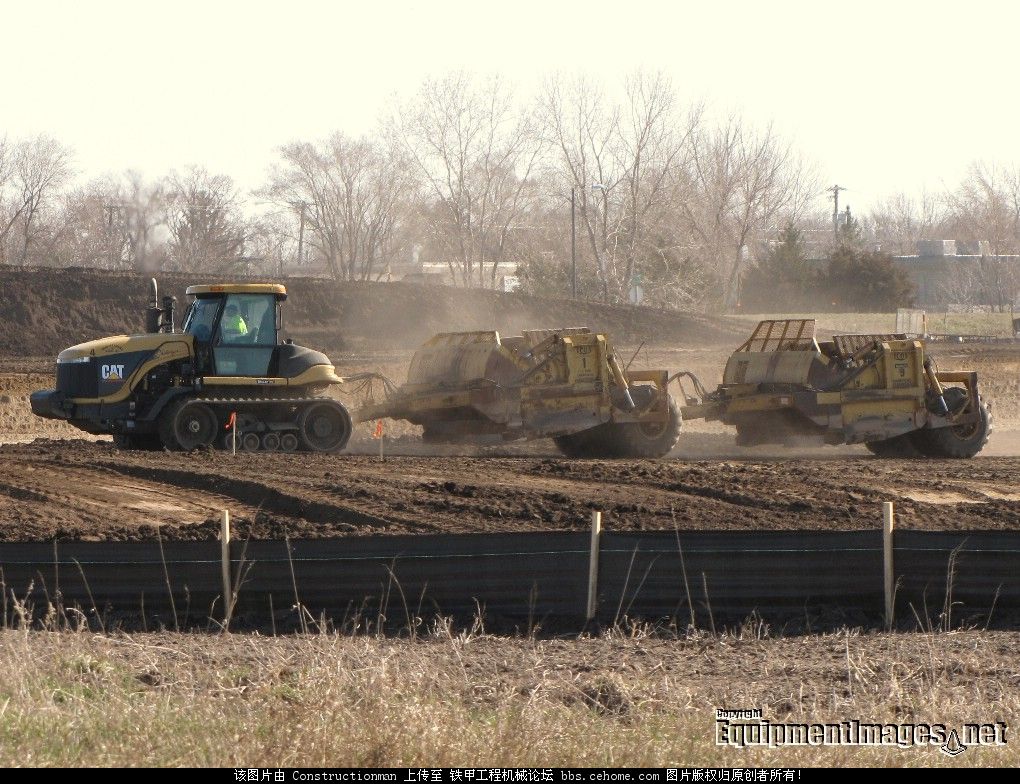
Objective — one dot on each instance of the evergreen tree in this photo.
(783, 280)
(861, 281)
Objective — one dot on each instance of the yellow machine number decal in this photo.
(586, 369)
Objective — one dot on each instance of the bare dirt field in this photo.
(55, 482)
(82, 490)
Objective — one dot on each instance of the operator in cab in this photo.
(233, 326)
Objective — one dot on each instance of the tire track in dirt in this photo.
(91, 490)
(258, 495)
(97, 489)
(80, 502)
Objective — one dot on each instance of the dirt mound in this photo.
(45, 310)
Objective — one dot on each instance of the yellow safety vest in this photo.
(235, 325)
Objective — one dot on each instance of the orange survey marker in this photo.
(378, 429)
(232, 421)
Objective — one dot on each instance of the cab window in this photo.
(201, 318)
(248, 320)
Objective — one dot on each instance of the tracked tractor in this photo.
(567, 384)
(783, 386)
(224, 378)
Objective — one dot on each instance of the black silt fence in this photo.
(710, 577)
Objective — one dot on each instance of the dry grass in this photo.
(997, 324)
(460, 700)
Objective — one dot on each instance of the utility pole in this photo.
(835, 189)
(111, 210)
(573, 245)
(301, 236)
(598, 186)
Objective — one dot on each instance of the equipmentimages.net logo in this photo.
(744, 728)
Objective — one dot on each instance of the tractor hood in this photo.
(109, 368)
(121, 344)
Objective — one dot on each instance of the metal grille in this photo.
(782, 335)
(78, 379)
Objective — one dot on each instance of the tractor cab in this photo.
(236, 328)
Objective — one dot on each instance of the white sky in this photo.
(882, 96)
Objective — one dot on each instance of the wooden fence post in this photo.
(888, 525)
(228, 604)
(593, 565)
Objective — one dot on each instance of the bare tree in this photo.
(8, 213)
(204, 222)
(31, 172)
(137, 218)
(352, 195)
(1000, 275)
(746, 184)
(986, 206)
(963, 285)
(620, 160)
(271, 241)
(582, 129)
(12, 206)
(899, 222)
(108, 223)
(475, 152)
(655, 141)
(81, 230)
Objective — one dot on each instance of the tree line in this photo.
(468, 174)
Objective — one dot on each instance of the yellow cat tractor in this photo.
(783, 386)
(182, 390)
(567, 384)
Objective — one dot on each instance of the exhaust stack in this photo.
(159, 319)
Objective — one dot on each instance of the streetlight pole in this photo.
(573, 245)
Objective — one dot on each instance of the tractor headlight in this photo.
(74, 361)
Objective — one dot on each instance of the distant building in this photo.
(439, 274)
(948, 272)
(429, 273)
